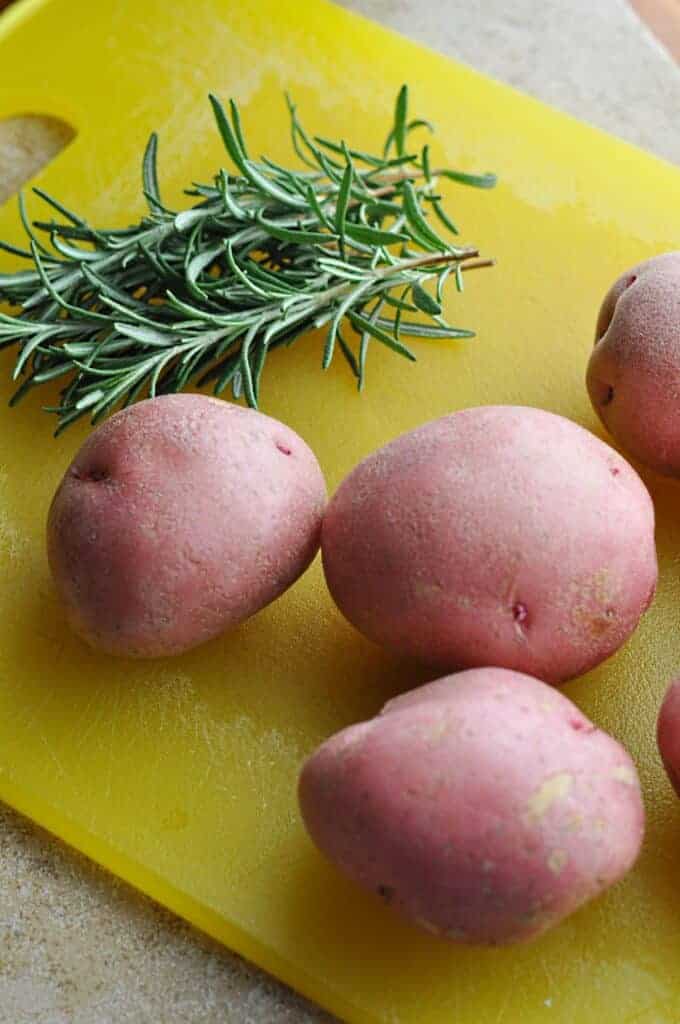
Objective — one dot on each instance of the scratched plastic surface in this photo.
(180, 775)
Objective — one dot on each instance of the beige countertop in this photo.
(76, 945)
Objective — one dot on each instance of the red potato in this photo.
(485, 807)
(179, 518)
(497, 535)
(668, 733)
(634, 371)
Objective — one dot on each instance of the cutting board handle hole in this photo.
(28, 143)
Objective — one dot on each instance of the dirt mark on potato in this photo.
(552, 789)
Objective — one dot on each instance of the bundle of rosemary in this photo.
(203, 295)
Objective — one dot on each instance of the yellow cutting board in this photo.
(180, 775)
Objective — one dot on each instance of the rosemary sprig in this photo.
(267, 253)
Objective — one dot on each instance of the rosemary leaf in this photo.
(376, 331)
(424, 301)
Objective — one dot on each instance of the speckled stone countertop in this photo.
(76, 945)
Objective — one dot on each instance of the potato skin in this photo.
(497, 535)
(178, 518)
(485, 807)
(668, 733)
(633, 376)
